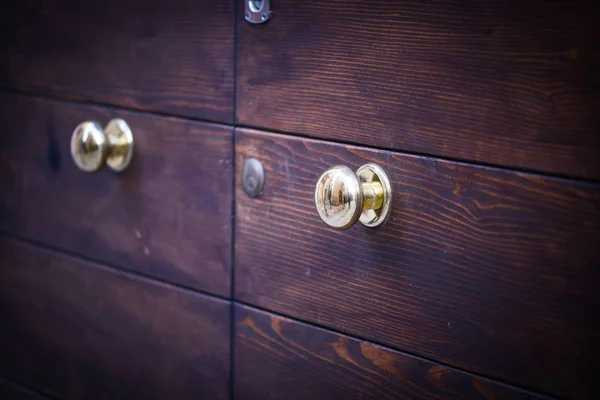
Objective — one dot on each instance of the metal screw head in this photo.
(253, 177)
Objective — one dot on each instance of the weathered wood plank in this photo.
(277, 358)
(77, 330)
(168, 215)
(503, 82)
(173, 57)
(492, 271)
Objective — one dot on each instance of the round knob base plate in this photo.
(121, 139)
(371, 173)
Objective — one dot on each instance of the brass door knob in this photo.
(343, 197)
(92, 146)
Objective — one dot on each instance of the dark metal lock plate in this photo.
(258, 11)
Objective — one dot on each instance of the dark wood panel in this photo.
(79, 331)
(299, 361)
(504, 82)
(175, 57)
(168, 215)
(11, 391)
(493, 271)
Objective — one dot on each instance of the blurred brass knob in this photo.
(343, 197)
(92, 146)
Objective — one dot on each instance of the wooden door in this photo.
(179, 278)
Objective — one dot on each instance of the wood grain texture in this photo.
(492, 271)
(76, 330)
(504, 82)
(168, 215)
(174, 57)
(277, 358)
(12, 391)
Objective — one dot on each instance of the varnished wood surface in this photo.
(174, 57)
(492, 271)
(503, 82)
(76, 330)
(11, 391)
(277, 358)
(168, 215)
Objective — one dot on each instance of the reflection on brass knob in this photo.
(343, 197)
(92, 146)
